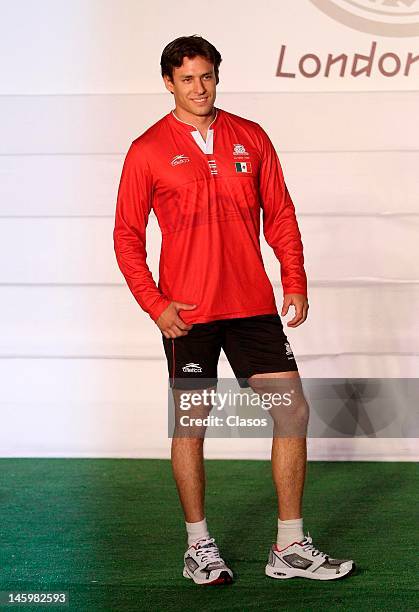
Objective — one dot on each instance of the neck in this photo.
(199, 121)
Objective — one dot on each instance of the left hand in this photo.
(300, 304)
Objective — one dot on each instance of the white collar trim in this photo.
(206, 146)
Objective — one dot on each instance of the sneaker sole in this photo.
(284, 573)
(223, 578)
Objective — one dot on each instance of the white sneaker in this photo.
(204, 565)
(304, 560)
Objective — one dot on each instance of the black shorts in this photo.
(252, 345)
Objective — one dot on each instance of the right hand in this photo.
(170, 323)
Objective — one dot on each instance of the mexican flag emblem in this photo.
(243, 167)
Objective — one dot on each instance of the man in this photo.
(207, 173)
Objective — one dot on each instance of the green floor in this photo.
(110, 532)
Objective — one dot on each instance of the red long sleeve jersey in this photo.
(207, 196)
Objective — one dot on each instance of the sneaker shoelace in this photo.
(207, 550)
(309, 547)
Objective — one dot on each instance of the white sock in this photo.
(196, 531)
(289, 531)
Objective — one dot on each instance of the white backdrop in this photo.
(80, 80)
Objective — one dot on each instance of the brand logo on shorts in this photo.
(192, 367)
(288, 351)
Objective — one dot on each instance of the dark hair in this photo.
(189, 46)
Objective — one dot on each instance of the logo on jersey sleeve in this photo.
(179, 159)
(243, 167)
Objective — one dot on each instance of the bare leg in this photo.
(289, 453)
(188, 471)
(289, 456)
(188, 461)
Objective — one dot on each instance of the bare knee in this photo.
(283, 396)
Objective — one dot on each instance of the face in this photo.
(193, 86)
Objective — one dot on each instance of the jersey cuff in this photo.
(161, 306)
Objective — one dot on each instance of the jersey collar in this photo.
(206, 146)
(189, 127)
